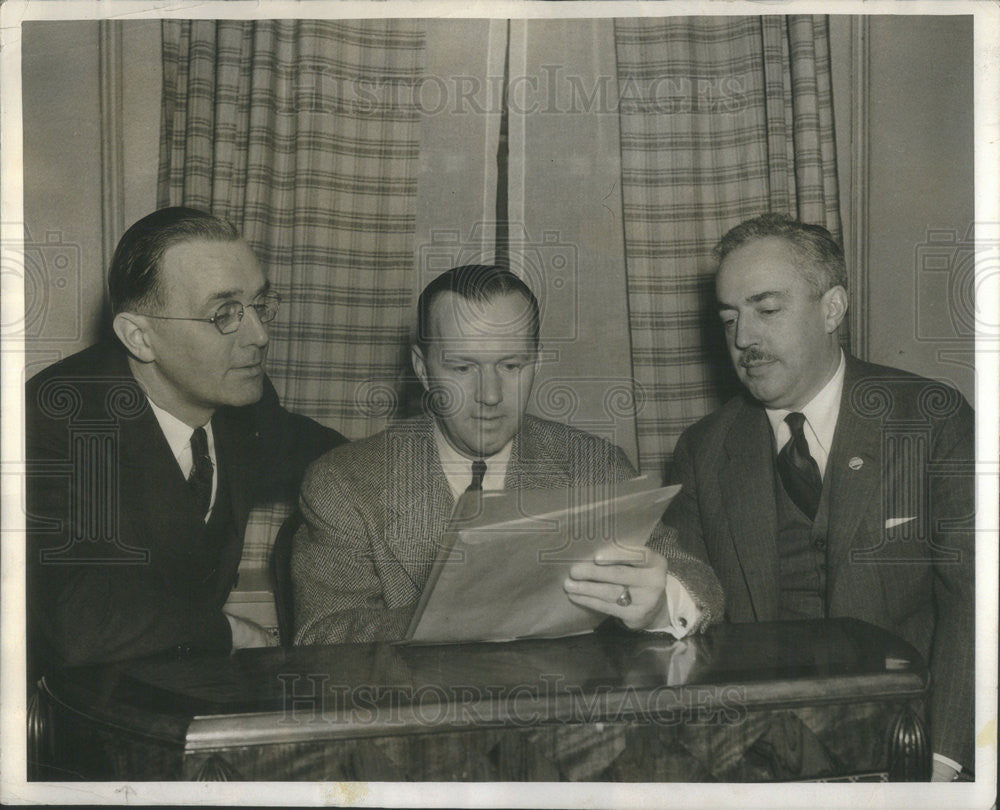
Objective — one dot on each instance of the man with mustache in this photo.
(834, 487)
(146, 452)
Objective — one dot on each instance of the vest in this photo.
(802, 550)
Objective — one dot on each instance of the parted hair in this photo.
(134, 275)
(819, 256)
(473, 282)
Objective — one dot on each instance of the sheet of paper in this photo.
(499, 574)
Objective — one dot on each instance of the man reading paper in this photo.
(375, 511)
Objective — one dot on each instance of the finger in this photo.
(606, 591)
(619, 575)
(602, 606)
(616, 554)
(641, 599)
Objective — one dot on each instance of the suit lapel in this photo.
(746, 480)
(854, 468)
(236, 453)
(237, 456)
(419, 502)
(530, 467)
(151, 488)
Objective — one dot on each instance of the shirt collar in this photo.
(820, 412)
(178, 433)
(458, 468)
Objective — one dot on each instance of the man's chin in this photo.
(247, 393)
(485, 446)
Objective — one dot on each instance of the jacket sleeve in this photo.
(339, 595)
(290, 442)
(689, 569)
(683, 514)
(952, 664)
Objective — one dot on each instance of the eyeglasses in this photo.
(228, 316)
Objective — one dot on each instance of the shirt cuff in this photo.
(949, 762)
(681, 615)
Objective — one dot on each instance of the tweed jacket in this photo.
(375, 510)
(900, 544)
(116, 566)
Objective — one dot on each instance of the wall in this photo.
(921, 204)
(62, 187)
(62, 173)
(914, 138)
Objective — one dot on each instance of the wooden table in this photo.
(836, 699)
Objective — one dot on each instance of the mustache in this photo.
(753, 356)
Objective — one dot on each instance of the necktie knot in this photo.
(200, 479)
(795, 421)
(798, 470)
(478, 473)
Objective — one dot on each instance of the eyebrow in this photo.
(755, 299)
(449, 357)
(231, 295)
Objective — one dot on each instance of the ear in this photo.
(133, 332)
(419, 365)
(834, 307)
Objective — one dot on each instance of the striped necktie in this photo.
(798, 469)
(200, 479)
(478, 473)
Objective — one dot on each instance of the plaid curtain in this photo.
(721, 119)
(304, 134)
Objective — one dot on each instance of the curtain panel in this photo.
(721, 119)
(304, 134)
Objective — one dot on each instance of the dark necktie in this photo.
(478, 471)
(798, 469)
(200, 479)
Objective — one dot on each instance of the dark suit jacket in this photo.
(115, 566)
(375, 510)
(903, 448)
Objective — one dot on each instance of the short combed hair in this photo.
(473, 282)
(134, 275)
(820, 257)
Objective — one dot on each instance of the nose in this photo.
(252, 331)
(744, 334)
(489, 391)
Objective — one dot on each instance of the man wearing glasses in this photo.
(146, 453)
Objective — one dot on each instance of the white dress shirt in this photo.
(821, 419)
(178, 436)
(682, 614)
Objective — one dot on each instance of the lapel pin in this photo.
(856, 463)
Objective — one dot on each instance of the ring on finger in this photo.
(624, 598)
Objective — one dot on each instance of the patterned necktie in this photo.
(200, 479)
(478, 472)
(798, 469)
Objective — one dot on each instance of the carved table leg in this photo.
(217, 769)
(909, 754)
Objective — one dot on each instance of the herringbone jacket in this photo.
(375, 510)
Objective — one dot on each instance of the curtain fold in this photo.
(721, 119)
(304, 134)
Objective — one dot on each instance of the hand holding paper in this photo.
(600, 584)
